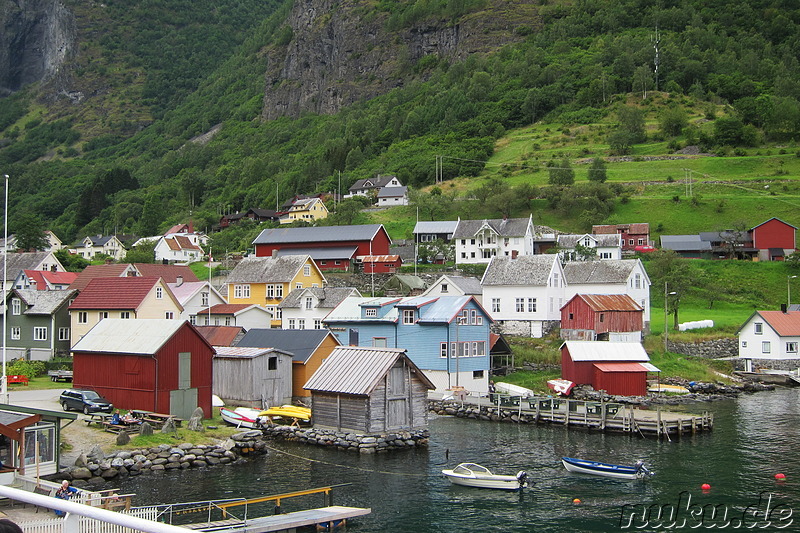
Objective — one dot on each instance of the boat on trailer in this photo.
(474, 475)
(581, 466)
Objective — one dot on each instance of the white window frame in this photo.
(291, 323)
(791, 347)
(519, 305)
(241, 291)
(39, 333)
(16, 333)
(531, 305)
(125, 315)
(16, 306)
(309, 302)
(443, 349)
(83, 317)
(169, 315)
(298, 285)
(301, 323)
(408, 316)
(766, 347)
(370, 312)
(159, 293)
(495, 305)
(63, 334)
(306, 270)
(317, 323)
(758, 328)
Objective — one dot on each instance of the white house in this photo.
(93, 245)
(524, 295)
(177, 248)
(449, 285)
(18, 262)
(305, 308)
(612, 276)
(605, 246)
(195, 296)
(389, 196)
(773, 336)
(478, 241)
(365, 186)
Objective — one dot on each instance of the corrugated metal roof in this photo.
(358, 370)
(134, 336)
(610, 302)
(321, 254)
(318, 234)
(524, 270)
(505, 227)
(302, 343)
(784, 324)
(324, 297)
(620, 367)
(436, 226)
(439, 309)
(605, 271)
(115, 293)
(685, 243)
(392, 192)
(606, 351)
(603, 240)
(240, 352)
(267, 269)
(220, 335)
(229, 309)
(350, 310)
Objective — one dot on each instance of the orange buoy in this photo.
(780, 477)
(705, 486)
(576, 500)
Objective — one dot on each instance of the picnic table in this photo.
(155, 418)
(96, 418)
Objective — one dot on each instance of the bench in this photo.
(17, 379)
(44, 491)
(118, 428)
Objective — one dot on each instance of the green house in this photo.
(38, 323)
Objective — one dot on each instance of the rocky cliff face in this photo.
(37, 36)
(341, 53)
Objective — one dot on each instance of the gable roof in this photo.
(467, 284)
(240, 352)
(505, 227)
(372, 183)
(143, 336)
(435, 226)
(603, 240)
(97, 240)
(44, 277)
(606, 351)
(409, 280)
(685, 243)
(99, 271)
(186, 290)
(263, 213)
(268, 269)
(392, 192)
(24, 261)
(324, 297)
(169, 273)
(177, 228)
(221, 335)
(117, 293)
(770, 220)
(319, 234)
(785, 324)
(439, 309)
(43, 302)
(524, 270)
(358, 370)
(634, 228)
(230, 309)
(181, 242)
(605, 271)
(321, 254)
(302, 343)
(350, 310)
(608, 302)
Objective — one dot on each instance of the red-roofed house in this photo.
(169, 273)
(381, 264)
(247, 316)
(177, 248)
(602, 317)
(773, 336)
(774, 239)
(126, 298)
(221, 335)
(633, 235)
(115, 270)
(44, 280)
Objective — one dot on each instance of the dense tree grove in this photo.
(572, 64)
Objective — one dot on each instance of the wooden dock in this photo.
(603, 416)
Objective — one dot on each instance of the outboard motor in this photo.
(522, 477)
(641, 470)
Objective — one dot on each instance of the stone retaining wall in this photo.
(712, 349)
(97, 468)
(352, 442)
(775, 364)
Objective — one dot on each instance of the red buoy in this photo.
(780, 477)
(576, 501)
(705, 486)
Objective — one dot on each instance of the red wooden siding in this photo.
(620, 383)
(380, 245)
(382, 267)
(330, 264)
(586, 318)
(144, 381)
(774, 234)
(579, 372)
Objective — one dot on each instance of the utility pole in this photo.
(657, 59)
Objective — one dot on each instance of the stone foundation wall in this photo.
(352, 442)
(713, 349)
(775, 364)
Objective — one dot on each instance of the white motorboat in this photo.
(241, 417)
(512, 390)
(472, 475)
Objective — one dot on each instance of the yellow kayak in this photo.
(288, 411)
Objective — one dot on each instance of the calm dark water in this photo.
(755, 437)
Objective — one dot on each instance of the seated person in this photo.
(65, 492)
(129, 419)
(115, 418)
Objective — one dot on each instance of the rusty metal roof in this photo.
(610, 302)
(358, 370)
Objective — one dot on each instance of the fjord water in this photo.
(754, 437)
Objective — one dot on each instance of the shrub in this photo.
(31, 369)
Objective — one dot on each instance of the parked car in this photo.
(87, 401)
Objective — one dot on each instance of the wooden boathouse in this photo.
(369, 390)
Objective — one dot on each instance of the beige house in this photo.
(125, 298)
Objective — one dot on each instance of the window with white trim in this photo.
(408, 316)
(306, 270)
(791, 347)
(169, 315)
(520, 305)
(125, 314)
(765, 347)
(301, 323)
(292, 323)
(63, 334)
(758, 328)
(228, 321)
(39, 334)
(473, 316)
(83, 317)
(531, 305)
(242, 291)
(278, 314)
(744, 344)
(371, 312)
(16, 306)
(495, 305)
(309, 302)
(317, 323)
(15, 333)
(298, 285)
(443, 349)
(204, 299)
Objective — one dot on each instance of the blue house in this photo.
(447, 337)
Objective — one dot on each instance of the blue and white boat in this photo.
(581, 466)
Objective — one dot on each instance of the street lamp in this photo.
(666, 327)
(789, 291)
(4, 379)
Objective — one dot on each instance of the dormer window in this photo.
(309, 302)
(408, 316)
(371, 312)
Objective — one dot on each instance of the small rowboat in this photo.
(241, 417)
(637, 471)
(472, 475)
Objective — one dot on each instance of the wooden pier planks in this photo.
(309, 517)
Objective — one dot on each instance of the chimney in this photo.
(179, 281)
(191, 226)
(784, 309)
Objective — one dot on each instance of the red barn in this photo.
(774, 239)
(158, 365)
(602, 317)
(633, 235)
(619, 368)
(368, 239)
(381, 264)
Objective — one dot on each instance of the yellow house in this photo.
(308, 209)
(126, 298)
(266, 281)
